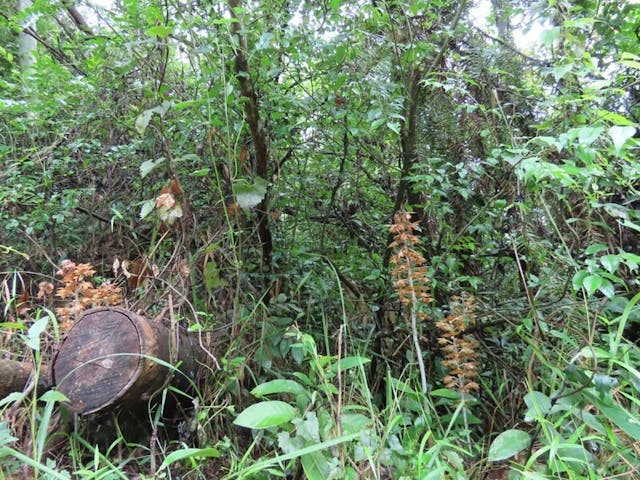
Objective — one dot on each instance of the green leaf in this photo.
(508, 444)
(278, 386)
(316, 466)
(147, 208)
(610, 262)
(577, 375)
(349, 362)
(585, 135)
(596, 248)
(142, 122)
(550, 35)
(212, 278)
(630, 60)
(5, 435)
(11, 398)
(188, 453)
(265, 415)
(160, 31)
(578, 279)
(32, 338)
(149, 165)
(248, 195)
(54, 396)
(355, 422)
(560, 71)
(604, 383)
(607, 288)
(619, 136)
(591, 283)
(539, 405)
(446, 393)
(616, 414)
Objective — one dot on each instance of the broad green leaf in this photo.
(355, 422)
(591, 283)
(575, 456)
(446, 393)
(212, 278)
(630, 60)
(32, 338)
(147, 208)
(631, 260)
(619, 136)
(585, 135)
(278, 386)
(160, 31)
(560, 71)
(248, 195)
(265, 415)
(188, 453)
(596, 248)
(604, 383)
(610, 262)
(538, 405)
(614, 118)
(616, 414)
(5, 435)
(607, 288)
(54, 396)
(202, 172)
(142, 122)
(149, 165)
(435, 474)
(578, 279)
(577, 375)
(508, 444)
(349, 362)
(308, 427)
(316, 466)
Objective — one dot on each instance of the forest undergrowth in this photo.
(403, 240)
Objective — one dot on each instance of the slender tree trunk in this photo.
(408, 148)
(251, 109)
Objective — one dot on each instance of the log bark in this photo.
(16, 376)
(112, 356)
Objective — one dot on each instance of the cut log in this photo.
(112, 356)
(15, 376)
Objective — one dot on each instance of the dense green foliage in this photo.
(248, 159)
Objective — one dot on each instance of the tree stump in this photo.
(112, 356)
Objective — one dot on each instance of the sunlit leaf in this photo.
(619, 136)
(149, 165)
(147, 208)
(248, 195)
(186, 453)
(265, 415)
(160, 31)
(33, 335)
(508, 444)
(142, 122)
(538, 405)
(349, 362)
(591, 283)
(278, 386)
